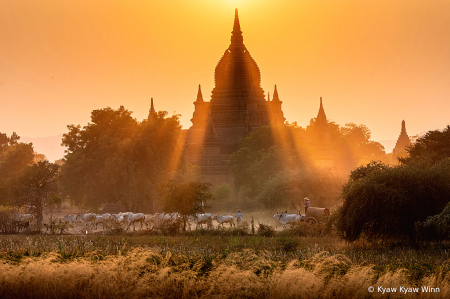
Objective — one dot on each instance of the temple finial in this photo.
(321, 116)
(275, 94)
(237, 39)
(199, 94)
(152, 111)
(268, 96)
(403, 126)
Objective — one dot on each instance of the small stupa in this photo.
(402, 141)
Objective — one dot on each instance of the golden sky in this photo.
(373, 62)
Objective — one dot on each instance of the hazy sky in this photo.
(373, 62)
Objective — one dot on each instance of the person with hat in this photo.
(239, 218)
(307, 204)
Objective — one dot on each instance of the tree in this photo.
(355, 148)
(387, 202)
(187, 199)
(14, 157)
(222, 192)
(272, 154)
(267, 151)
(37, 186)
(429, 149)
(289, 187)
(115, 158)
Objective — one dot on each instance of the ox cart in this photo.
(315, 215)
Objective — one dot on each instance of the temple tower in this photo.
(402, 141)
(152, 112)
(321, 146)
(274, 107)
(237, 107)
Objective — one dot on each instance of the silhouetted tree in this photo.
(187, 199)
(115, 158)
(267, 151)
(290, 187)
(14, 157)
(37, 186)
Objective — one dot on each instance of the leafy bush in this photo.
(304, 229)
(265, 230)
(287, 241)
(169, 227)
(436, 227)
(387, 202)
(6, 226)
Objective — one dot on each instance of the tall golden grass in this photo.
(214, 266)
(247, 274)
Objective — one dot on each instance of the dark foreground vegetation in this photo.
(219, 263)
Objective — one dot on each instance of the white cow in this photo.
(120, 218)
(70, 219)
(200, 219)
(224, 219)
(101, 219)
(87, 219)
(285, 218)
(158, 218)
(133, 218)
(104, 219)
(23, 220)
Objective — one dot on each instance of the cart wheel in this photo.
(311, 220)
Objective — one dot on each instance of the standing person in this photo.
(239, 218)
(307, 204)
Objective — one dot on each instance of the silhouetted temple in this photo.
(321, 147)
(151, 112)
(237, 107)
(402, 141)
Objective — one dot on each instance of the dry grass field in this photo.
(305, 263)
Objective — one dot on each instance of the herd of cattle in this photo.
(125, 220)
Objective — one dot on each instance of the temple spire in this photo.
(199, 94)
(403, 127)
(402, 142)
(268, 96)
(321, 117)
(275, 95)
(237, 39)
(152, 111)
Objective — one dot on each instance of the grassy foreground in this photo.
(216, 265)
